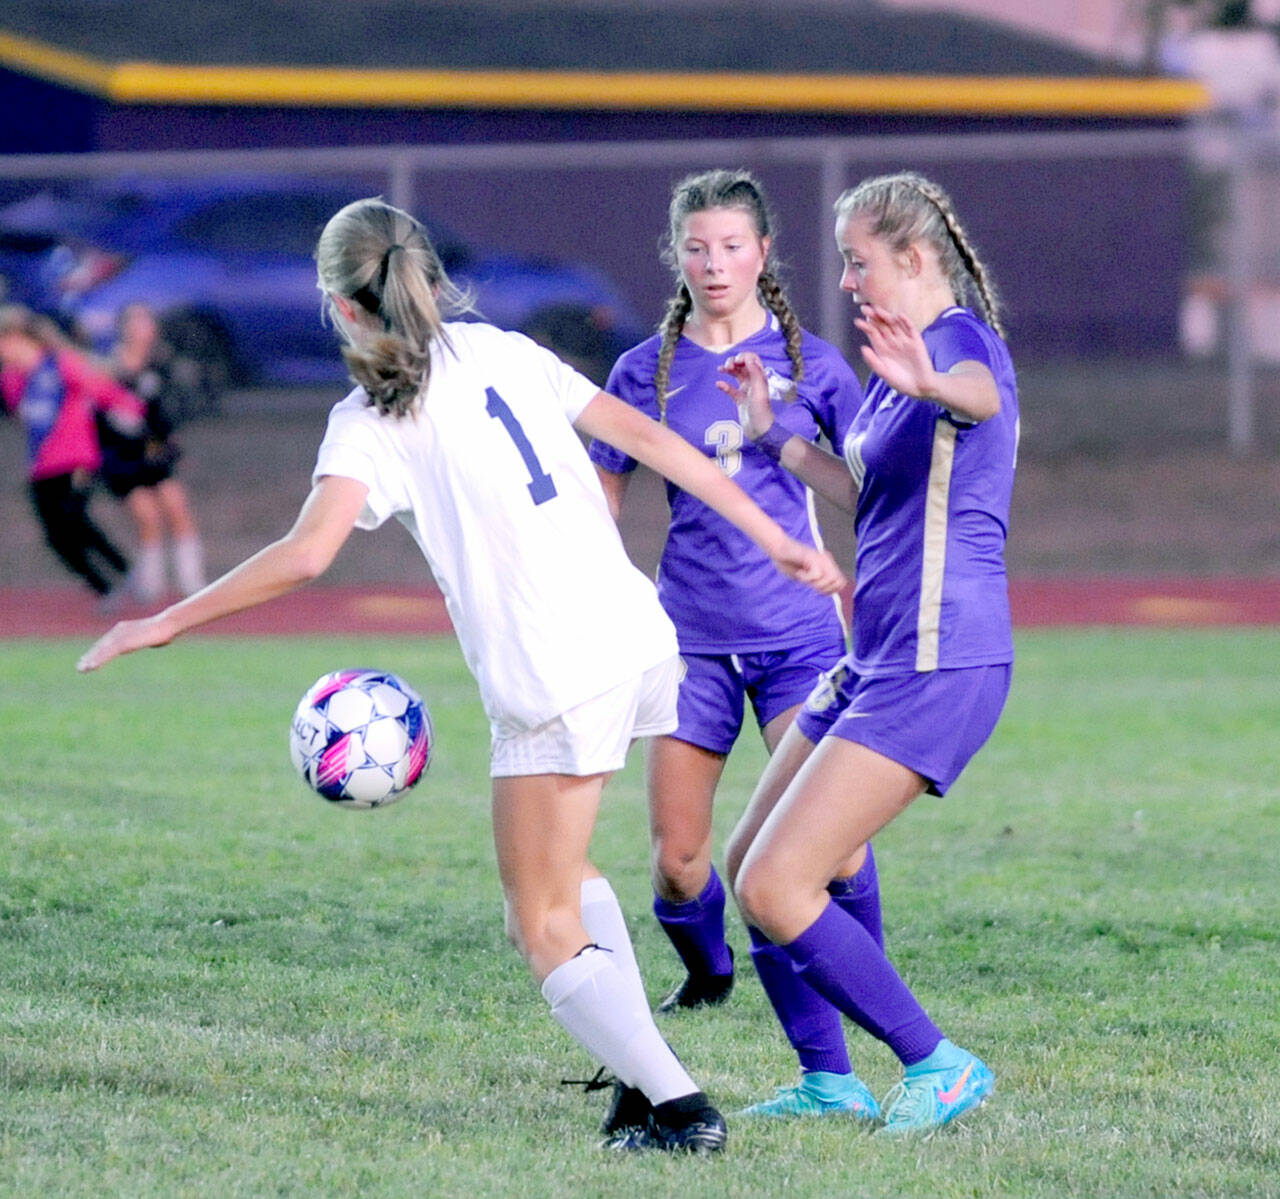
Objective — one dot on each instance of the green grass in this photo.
(212, 983)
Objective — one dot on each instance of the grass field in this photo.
(213, 984)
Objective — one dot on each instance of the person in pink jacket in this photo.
(56, 394)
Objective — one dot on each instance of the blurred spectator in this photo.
(56, 394)
(139, 468)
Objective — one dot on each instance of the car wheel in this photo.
(583, 336)
(201, 362)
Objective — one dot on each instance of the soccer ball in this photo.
(361, 738)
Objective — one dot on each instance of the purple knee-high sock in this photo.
(841, 961)
(812, 1025)
(696, 929)
(859, 895)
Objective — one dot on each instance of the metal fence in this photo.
(1099, 239)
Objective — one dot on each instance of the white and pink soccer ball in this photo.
(361, 738)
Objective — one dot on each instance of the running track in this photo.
(1156, 602)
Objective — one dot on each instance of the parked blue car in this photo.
(227, 263)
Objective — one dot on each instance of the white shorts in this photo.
(594, 736)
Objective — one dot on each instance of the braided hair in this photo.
(699, 193)
(382, 260)
(907, 207)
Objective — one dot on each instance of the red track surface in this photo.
(1167, 602)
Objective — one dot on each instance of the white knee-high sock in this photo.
(607, 927)
(148, 572)
(592, 1002)
(188, 564)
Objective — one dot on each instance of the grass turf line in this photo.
(211, 982)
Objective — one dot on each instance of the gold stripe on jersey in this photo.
(934, 557)
(815, 531)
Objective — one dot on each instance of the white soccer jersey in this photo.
(491, 479)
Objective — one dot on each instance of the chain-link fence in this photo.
(1130, 246)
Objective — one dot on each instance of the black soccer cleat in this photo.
(685, 1125)
(628, 1109)
(698, 990)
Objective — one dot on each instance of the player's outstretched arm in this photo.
(811, 464)
(635, 434)
(325, 522)
(897, 353)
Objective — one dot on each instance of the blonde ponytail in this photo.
(381, 260)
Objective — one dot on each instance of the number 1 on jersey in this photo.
(541, 486)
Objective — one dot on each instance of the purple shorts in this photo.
(713, 690)
(931, 721)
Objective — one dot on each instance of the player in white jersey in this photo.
(469, 436)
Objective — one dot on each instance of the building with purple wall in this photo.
(1091, 251)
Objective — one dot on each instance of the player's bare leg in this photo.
(147, 578)
(542, 828)
(689, 897)
(828, 1085)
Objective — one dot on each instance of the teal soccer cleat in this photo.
(820, 1094)
(929, 1100)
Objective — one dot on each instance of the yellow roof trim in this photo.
(48, 62)
(159, 83)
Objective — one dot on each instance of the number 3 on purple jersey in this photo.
(541, 487)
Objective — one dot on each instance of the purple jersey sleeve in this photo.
(955, 340)
(631, 380)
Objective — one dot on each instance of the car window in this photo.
(279, 224)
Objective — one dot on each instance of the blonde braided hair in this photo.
(907, 207)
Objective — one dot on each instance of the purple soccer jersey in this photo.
(722, 593)
(933, 513)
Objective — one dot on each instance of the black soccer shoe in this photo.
(628, 1109)
(699, 990)
(685, 1125)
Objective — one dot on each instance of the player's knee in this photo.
(146, 514)
(542, 934)
(760, 894)
(680, 872)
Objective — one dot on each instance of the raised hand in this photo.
(750, 391)
(896, 352)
